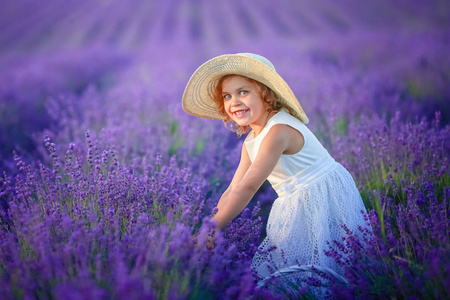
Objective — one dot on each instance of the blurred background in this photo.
(214, 26)
(342, 58)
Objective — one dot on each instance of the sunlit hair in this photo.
(271, 101)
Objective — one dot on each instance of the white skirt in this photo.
(309, 211)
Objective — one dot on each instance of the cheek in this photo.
(228, 103)
(226, 108)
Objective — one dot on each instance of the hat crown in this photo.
(258, 58)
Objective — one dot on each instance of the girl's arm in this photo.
(244, 164)
(239, 194)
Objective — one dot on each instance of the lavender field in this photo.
(104, 179)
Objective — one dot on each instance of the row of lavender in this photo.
(136, 24)
(116, 178)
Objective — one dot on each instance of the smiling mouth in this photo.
(239, 113)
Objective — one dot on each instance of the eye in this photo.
(243, 92)
(226, 96)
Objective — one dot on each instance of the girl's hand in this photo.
(210, 242)
(194, 240)
(210, 239)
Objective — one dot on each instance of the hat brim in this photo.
(198, 99)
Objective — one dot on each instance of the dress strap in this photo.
(283, 117)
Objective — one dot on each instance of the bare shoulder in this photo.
(292, 140)
(281, 132)
(278, 137)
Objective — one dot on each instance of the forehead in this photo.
(236, 81)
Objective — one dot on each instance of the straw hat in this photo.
(198, 96)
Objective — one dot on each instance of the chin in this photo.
(240, 123)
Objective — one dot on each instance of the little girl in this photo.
(316, 195)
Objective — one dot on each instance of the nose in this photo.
(235, 101)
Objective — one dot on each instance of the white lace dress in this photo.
(315, 196)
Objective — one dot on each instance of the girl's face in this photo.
(242, 102)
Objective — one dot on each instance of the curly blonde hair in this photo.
(271, 101)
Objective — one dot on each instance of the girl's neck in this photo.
(256, 131)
